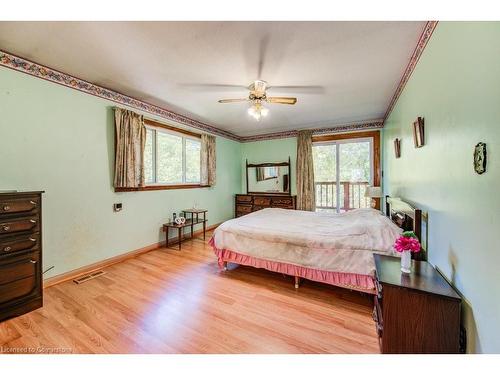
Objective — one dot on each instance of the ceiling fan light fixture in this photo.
(257, 96)
(257, 111)
(258, 86)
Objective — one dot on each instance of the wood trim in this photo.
(280, 164)
(246, 169)
(70, 275)
(375, 135)
(160, 187)
(341, 136)
(267, 193)
(157, 124)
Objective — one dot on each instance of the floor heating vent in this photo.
(88, 277)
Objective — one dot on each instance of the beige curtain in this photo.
(207, 160)
(129, 154)
(305, 172)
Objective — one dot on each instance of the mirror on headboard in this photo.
(408, 217)
(268, 178)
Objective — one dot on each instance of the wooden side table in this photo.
(195, 219)
(415, 313)
(190, 223)
(179, 228)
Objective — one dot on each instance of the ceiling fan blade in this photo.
(212, 87)
(233, 100)
(300, 89)
(263, 44)
(281, 100)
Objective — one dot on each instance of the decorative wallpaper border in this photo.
(20, 64)
(419, 49)
(25, 66)
(377, 124)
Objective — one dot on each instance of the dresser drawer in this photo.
(19, 205)
(19, 267)
(244, 198)
(19, 289)
(10, 245)
(282, 201)
(262, 201)
(20, 253)
(8, 226)
(20, 280)
(258, 208)
(243, 208)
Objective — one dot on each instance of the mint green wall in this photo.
(60, 140)
(456, 87)
(268, 151)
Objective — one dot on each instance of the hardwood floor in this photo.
(167, 301)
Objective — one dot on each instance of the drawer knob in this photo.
(32, 221)
(33, 203)
(5, 228)
(7, 248)
(32, 261)
(32, 239)
(6, 207)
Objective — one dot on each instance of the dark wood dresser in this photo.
(416, 313)
(246, 203)
(20, 253)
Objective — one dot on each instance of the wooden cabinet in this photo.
(247, 203)
(20, 253)
(415, 313)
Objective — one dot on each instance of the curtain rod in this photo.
(167, 125)
(145, 117)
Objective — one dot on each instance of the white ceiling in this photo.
(356, 65)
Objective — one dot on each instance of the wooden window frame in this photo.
(375, 136)
(155, 124)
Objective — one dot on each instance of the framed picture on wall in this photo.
(418, 132)
(480, 158)
(397, 148)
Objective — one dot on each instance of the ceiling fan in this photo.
(257, 97)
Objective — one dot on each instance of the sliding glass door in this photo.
(342, 171)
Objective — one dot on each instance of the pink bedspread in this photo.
(335, 249)
(364, 283)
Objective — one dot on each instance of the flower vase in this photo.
(406, 261)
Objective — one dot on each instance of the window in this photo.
(351, 157)
(171, 157)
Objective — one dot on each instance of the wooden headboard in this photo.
(407, 217)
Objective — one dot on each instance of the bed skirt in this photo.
(362, 283)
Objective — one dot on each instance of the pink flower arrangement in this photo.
(407, 242)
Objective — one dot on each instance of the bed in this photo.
(331, 248)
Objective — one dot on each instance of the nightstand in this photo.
(415, 313)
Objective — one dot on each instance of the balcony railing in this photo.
(352, 195)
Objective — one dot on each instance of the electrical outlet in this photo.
(117, 207)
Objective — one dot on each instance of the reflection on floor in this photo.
(168, 301)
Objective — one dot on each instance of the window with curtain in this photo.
(171, 158)
(345, 165)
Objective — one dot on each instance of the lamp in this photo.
(373, 192)
(257, 111)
